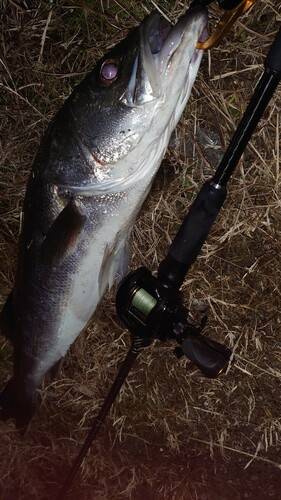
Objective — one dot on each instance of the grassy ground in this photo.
(172, 433)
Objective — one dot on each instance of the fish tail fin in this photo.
(18, 403)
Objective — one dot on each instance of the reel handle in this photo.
(211, 357)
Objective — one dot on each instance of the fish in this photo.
(91, 174)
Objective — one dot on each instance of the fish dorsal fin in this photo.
(62, 235)
(7, 318)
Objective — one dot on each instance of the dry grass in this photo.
(172, 433)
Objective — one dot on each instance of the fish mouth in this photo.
(163, 39)
(159, 41)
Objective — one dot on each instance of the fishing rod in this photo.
(152, 307)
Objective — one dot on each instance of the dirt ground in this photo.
(172, 433)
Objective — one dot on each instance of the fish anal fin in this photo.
(7, 318)
(62, 235)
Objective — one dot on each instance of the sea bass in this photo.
(92, 172)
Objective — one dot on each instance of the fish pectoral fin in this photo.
(7, 318)
(62, 235)
(115, 263)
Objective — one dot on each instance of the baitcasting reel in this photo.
(152, 310)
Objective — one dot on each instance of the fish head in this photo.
(128, 106)
(167, 61)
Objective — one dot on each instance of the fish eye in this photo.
(109, 71)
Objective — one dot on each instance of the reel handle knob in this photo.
(209, 356)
